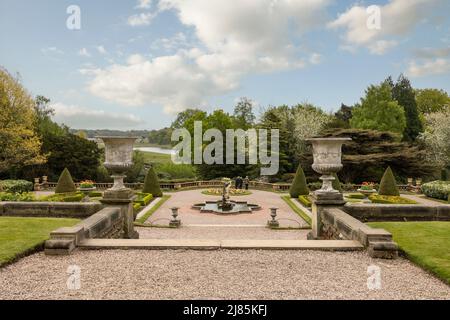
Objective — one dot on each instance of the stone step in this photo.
(198, 244)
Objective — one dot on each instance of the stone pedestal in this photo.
(124, 200)
(322, 201)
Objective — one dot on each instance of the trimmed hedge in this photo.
(388, 185)
(143, 198)
(305, 201)
(14, 197)
(16, 186)
(151, 183)
(65, 183)
(375, 198)
(64, 197)
(299, 186)
(356, 196)
(437, 189)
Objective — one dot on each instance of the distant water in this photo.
(155, 150)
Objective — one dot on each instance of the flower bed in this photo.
(390, 200)
(437, 189)
(233, 192)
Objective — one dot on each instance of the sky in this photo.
(134, 64)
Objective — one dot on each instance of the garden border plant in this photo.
(141, 220)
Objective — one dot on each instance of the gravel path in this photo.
(221, 233)
(222, 274)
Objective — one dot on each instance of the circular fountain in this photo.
(225, 205)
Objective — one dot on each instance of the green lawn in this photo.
(156, 158)
(425, 243)
(19, 236)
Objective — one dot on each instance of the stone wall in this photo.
(50, 209)
(399, 212)
(337, 225)
(106, 223)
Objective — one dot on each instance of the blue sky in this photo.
(135, 64)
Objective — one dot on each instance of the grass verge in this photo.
(22, 236)
(147, 215)
(296, 209)
(424, 243)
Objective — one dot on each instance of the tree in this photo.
(436, 137)
(135, 173)
(432, 100)
(378, 111)
(336, 183)
(151, 183)
(65, 183)
(388, 185)
(370, 152)
(187, 117)
(243, 114)
(19, 143)
(404, 94)
(299, 186)
(342, 117)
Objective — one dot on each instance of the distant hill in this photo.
(115, 133)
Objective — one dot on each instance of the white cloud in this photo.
(315, 58)
(141, 19)
(84, 52)
(51, 50)
(101, 50)
(398, 17)
(254, 37)
(430, 61)
(144, 4)
(87, 118)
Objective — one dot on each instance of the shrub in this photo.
(444, 175)
(143, 198)
(337, 183)
(171, 170)
(64, 197)
(388, 185)
(305, 200)
(16, 186)
(390, 199)
(95, 194)
(65, 183)
(151, 184)
(356, 196)
(25, 196)
(299, 186)
(437, 189)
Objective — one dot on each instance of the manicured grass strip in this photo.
(147, 215)
(424, 243)
(244, 193)
(156, 158)
(296, 209)
(21, 236)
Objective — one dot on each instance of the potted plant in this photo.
(86, 186)
(367, 188)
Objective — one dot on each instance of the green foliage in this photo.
(151, 184)
(356, 196)
(299, 186)
(65, 183)
(243, 114)
(136, 172)
(337, 183)
(431, 100)
(143, 198)
(388, 185)
(171, 171)
(390, 199)
(342, 117)
(16, 186)
(404, 94)
(296, 209)
(444, 174)
(22, 197)
(64, 197)
(378, 111)
(437, 189)
(161, 136)
(153, 209)
(305, 201)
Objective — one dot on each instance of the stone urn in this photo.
(327, 153)
(118, 158)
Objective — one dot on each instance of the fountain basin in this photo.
(236, 207)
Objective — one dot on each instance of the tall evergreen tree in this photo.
(299, 186)
(151, 184)
(405, 96)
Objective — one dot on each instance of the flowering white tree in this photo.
(437, 136)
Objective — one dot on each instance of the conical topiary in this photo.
(337, 183)
(65, 183)
(151, 184)
(388, 185)
(299, 186)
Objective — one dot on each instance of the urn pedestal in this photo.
(327, 153)
(118, 159)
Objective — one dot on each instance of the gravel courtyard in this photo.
(222, 274)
